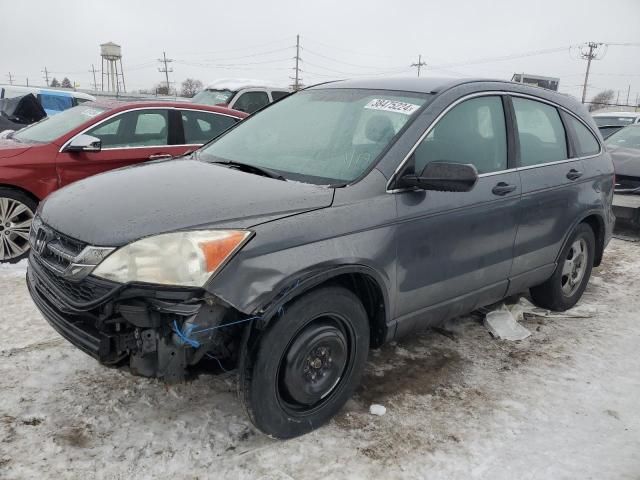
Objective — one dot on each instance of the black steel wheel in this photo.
(307, 364)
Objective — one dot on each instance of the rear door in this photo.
(455, 248)
(551, 183)
(128, 138)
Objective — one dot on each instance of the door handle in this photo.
(159, 156)
(574, 174)
(503, 188)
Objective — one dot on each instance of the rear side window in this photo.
(586, 143)
(251, 101)
(200, 127)
(473, 132)
(540, 131)
(277, 95)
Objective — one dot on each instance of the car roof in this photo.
(405, 84)
(119, 105)
(617, 114)
(235, 84)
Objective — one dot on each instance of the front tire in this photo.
(571, 276)
(305, 366)
(16, 215)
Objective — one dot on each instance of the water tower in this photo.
(111, 54)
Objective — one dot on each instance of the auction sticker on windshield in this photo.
(391, 106)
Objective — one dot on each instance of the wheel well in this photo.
(597, 225)
(26, 192)
(367, 289)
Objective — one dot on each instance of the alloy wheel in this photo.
(574, 267)
(15, 223)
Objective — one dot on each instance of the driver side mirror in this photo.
(84, 143)
(442, 177)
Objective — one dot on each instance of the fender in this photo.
(302, 282)
(603, 226)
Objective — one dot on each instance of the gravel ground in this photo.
(459, 404)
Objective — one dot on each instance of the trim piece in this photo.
(487, 93)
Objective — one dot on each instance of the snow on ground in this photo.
(562, 403)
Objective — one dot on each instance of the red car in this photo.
(89, 139)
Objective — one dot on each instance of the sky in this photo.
(209, 40)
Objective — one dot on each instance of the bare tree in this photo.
(54, 82)
(601, 100)
(190, 87)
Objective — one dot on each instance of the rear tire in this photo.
(17, 210)
(299, 373)
(571, 276)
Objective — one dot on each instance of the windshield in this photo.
(213, 97)
(50, 128)
(628, 137)
(322, 136)
(613, 121)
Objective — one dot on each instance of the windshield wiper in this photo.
(245, 167)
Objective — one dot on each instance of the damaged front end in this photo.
(160, 330)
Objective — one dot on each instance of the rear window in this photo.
(50, 128)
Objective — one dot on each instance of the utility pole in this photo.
(27, 81)
(420, 64)
(95, 84)
(10, 78)
(628, 93)
(297, 81)
(46, 75)
(588, 56)
(166, 70)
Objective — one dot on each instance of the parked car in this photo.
(53, 101)
(624, 146)
(89, 139)
(340, 218)
(610, 122)
(240, 94)
(18, 112)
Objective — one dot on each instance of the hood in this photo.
(626, 161)
(116, 208)
(10, 148)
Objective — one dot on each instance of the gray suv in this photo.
(340, 218)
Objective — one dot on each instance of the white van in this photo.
(53, 101)
(240, 94)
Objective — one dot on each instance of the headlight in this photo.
(180, 258)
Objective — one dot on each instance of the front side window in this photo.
(50, 128)
(251, 101)
(138, 128)
(585, 140)
(322, 136)
(200, 127)
(472, 132)
(540, 131)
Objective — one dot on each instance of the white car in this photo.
(610, 122)
(240, 94)
(52, 100)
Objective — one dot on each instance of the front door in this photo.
(128, 138)
(455, 248)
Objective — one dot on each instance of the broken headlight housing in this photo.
(181, 258)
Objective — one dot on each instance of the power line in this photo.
(166, 70)
(420, 64)
(297, 81)
(588, 55)
(306, 50)
(46, 75)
